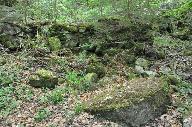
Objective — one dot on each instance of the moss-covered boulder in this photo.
(133, 103)
(142, 63)
(91, 77)
(97, 68)
(43, 78)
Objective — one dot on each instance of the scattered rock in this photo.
(139, 69)
(43, 78)
(150, 73)
(133, 103)
(10, 14)
(165, 70)
(187, 122)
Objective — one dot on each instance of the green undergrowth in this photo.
(55, 96)
(7, 101)
(42, 114)
(164, 41)
(178, 12)
(184, 105)
(12, 96)
(183, 91)
(168, 41)
(77, 81)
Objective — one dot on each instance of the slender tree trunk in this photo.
(128, 9)
(55, 11)
(101, 8)
(114, 5)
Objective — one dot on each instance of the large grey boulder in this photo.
(11, 33)
(133, 103)
(10, 14)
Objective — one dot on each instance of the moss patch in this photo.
(127, 94)
(43, 78)
(54, 44)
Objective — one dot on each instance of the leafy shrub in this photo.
(184, 87)
(42, 114)
(74, 79)
(78, 108)
(5, 80)
(81, 58)
(77, 81)
(56, 96)
(54, 44)
(178, 12)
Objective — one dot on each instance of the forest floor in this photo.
(23, 105)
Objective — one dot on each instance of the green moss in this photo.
(120, 96)
(97, 68)
(44, 73)
(91, 77)
(165, 41)
(34, 77)
(61, 80)
(187, 53)
(74, 28)
(71, 28)
(173, 79)
(43, 78)
(54, 44)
